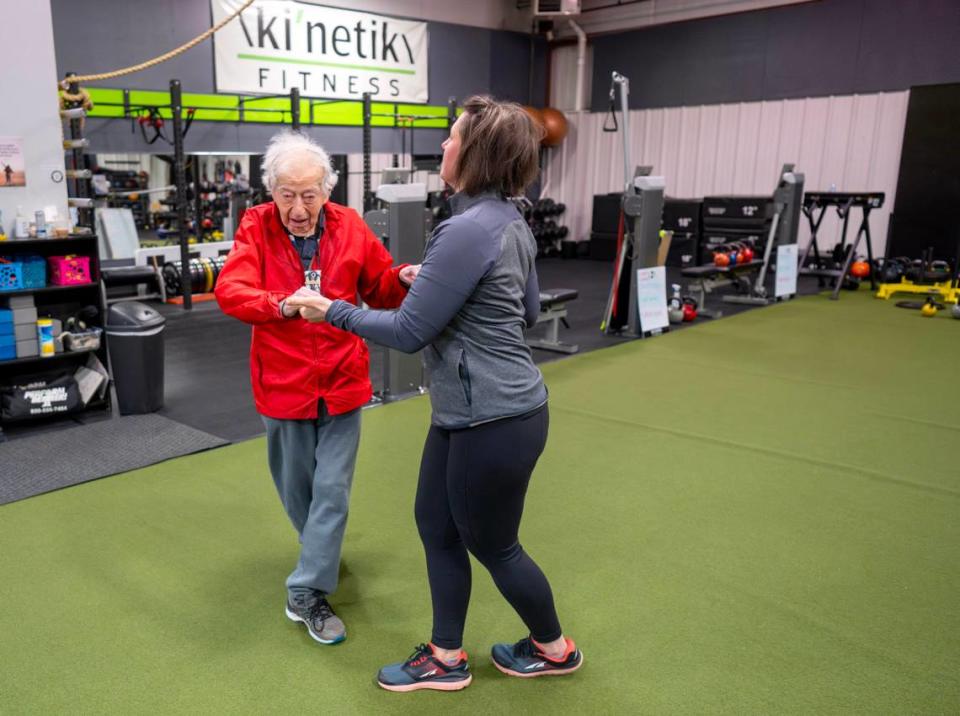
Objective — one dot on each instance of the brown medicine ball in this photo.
(555, 125)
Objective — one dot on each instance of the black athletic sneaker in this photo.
(315, 611)
(526, 660)
(423, 670)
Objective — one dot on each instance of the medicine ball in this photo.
(555, 124)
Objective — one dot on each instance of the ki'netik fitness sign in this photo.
(275, 45)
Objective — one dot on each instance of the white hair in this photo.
(288, 146)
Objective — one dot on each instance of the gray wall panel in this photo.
(96, 36)
(909, 43)
(459, 63)
(721, 58)
(509, 60)
(830, 47)
(811, 49)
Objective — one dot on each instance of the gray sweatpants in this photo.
(312, 464)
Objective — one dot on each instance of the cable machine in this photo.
(638, 235)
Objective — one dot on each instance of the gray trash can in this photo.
(135, 340)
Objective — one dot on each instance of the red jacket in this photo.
(294, 363)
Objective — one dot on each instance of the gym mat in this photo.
(41, 463)
(759, 515)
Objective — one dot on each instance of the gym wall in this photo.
(30, 109)
(103, 35)
(815, 49)
(852, 141)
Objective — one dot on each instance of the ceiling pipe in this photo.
(581, 63)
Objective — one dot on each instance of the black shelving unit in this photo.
(57, 302)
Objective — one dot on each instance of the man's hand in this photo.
(311, 305)
(408, 274)
(288, 309)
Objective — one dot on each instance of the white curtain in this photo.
(852, 142)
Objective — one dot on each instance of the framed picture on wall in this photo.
(12, 171)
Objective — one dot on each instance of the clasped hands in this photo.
(313, 306)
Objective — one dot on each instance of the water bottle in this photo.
(21, 228)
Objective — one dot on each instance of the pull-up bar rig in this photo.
(368, 115)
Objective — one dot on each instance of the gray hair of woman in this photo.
(288, 147)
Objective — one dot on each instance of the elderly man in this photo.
(309, 379)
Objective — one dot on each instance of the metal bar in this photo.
(865, 227)
(197, 197)
(367, 148)
(403, 137)
(238, 108)
(295, 108)
(759, 286)
(412, 117)
(176, 107)
(451, 111)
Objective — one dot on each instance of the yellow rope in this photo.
(156, 60)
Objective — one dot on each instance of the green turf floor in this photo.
(759, 515)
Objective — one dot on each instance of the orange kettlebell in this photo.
(860, 269)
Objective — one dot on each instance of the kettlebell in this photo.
(929, 308)
(955, 311)
(689, 309)
(675, 305)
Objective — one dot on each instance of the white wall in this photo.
(851, 141)
(491, 14)
(28, 108)
(604, 16)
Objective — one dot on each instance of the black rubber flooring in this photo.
(207, 382)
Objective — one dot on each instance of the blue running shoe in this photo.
(526, 660)
(423, 670)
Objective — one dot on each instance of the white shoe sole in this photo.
(294, 618)
(433, 685)
(535, 674)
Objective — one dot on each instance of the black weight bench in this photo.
(553, 310)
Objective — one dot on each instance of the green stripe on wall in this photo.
(275, 110)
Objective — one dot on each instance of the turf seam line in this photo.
(856, 469)
(918, 421)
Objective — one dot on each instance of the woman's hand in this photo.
(312, 307)
(408, 274)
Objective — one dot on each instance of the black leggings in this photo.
(470, 497)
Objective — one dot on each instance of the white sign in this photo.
(786, 282)
(275, 45)
(652, 298)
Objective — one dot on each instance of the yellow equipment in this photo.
(944, 290)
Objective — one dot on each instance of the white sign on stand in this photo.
(786, 281)
(652, 298)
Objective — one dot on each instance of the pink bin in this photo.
(69, 270)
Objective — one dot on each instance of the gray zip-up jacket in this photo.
(474, 295)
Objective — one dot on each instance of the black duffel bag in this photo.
(40, 396)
